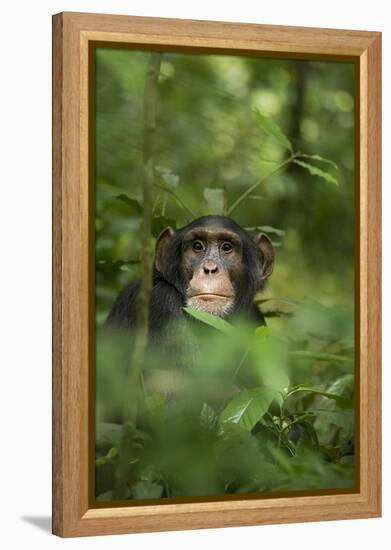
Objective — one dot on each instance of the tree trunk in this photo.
(142, 318)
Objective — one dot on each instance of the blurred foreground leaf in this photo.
(319, 356)
(107, 434)
(209, 319)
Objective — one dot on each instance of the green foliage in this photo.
(209, 319)
(237, 408)
(267, 229)
(271, 128)
(215, 199)
(320, 159)
(134, 206)
(248, 407)
(242, 427)
(212, 115)
(315, 171)
(172, 180)
(161, 222)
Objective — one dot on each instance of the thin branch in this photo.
(168, 189)
(164, 206)
(248, 191)
(225, 201)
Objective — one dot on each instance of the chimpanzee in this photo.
(211, 264)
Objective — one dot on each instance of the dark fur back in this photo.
(165, 303)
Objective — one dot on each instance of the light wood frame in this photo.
(72, 33)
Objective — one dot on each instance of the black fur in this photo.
(167, 298)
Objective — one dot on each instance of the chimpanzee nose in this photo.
(210, 268)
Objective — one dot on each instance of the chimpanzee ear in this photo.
(161, 248)
(265, 253)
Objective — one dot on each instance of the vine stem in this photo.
(130, 403)
(248, 191)
(168, 189)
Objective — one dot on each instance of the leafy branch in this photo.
(252, 188)
(274, 131)
(216, 197)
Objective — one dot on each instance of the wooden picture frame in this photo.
(73, 34)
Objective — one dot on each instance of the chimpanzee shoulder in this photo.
(123, 311)
(165, 302)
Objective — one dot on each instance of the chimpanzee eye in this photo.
(198, 246)
(226, 247)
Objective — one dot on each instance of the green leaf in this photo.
(320, 159)
(256, 197)
(261, 334)
(148, 473)
(309, 439)
(209, 319)
(343, 386)
(281, 459)
(315, 171)
(248, 407)
(134, 205)
(269, 362)
(108, 434)
(171, 179)
(112, 453)
(267, 229)
(157, 407)
(161, 222)
(343, 418)
(146, 489)
(207, 416)
(215, 199)
(320, 356)
(340, 401)
(167, 176)
(271, 128)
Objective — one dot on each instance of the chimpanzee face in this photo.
(219, 266)
(212, 260)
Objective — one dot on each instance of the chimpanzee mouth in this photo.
(217, 304)
(211, 296)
